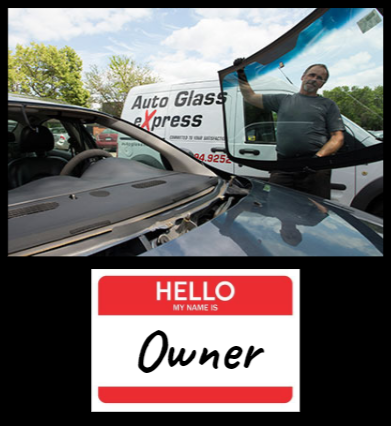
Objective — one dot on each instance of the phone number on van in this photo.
(213, 158)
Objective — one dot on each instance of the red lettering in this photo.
(148, 118)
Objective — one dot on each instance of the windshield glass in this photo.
(282, 93)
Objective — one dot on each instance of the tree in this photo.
(13, 73)
(362, 105)
(112, 85)
(48, 72)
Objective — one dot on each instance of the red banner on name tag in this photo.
(187, 295)
(195, 394)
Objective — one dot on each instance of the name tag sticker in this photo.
(195, 340)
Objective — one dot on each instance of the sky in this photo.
(178, 44)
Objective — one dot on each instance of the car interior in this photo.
(95, 191)
(37, 163)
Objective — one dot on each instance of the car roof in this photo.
(31, 100)
(15, 97)
(47, 104)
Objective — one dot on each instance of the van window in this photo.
(132, 149)
(13, 146)
(260, 125)
(359, 133)
(121, 145)
(59, 133)
(12, 125)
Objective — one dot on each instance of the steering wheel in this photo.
(77, 159)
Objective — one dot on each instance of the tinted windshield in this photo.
(346, 45)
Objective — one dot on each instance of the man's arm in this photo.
(248, 93)
(333, 145)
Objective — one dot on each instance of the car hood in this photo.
(276, 221)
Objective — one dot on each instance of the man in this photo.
(308, 125)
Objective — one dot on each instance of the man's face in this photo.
(313, 80)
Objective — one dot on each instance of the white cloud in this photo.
(222, 39)
(372, 77)
(221, 36)
(52, 24)
(359, 61)
(261, 16)
(217, 39)
(180, 67)
(216, 12)
(271, 15)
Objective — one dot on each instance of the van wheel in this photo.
(376, 208)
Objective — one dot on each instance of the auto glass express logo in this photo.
(152, 120)
(171, 296)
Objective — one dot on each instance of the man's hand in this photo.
(241, 74)
(238, 61)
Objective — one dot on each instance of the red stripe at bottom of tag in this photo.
(195, 394)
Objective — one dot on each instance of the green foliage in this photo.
(111, 86)
(362, 105)
(47, 72)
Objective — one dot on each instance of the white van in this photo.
(190, 116)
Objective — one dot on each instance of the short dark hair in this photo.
(318, 65)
